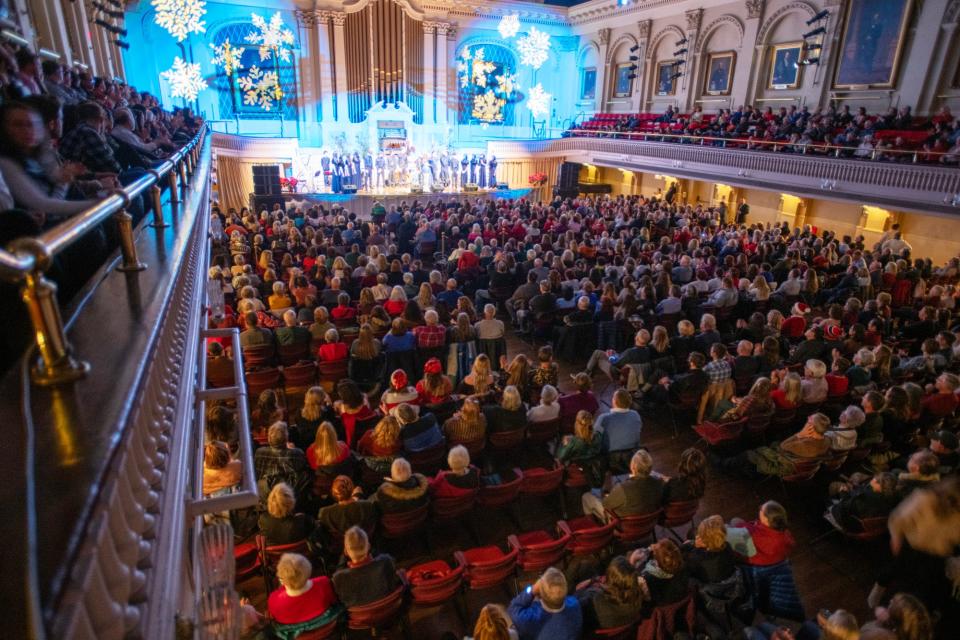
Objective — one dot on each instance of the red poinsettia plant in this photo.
(538, 179)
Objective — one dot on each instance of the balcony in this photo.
(895, 185)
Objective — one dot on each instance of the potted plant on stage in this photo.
(537, 179)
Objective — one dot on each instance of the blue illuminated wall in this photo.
(317, 119)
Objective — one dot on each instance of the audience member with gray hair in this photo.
(403, 490)
(544, 610)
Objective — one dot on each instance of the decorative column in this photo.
(309, 114)
(325, 65)
(744, 78)
(924, 53)
(429, 95)
(600, 97)
(444, 30)
(78, 34)
(642, 81)
(339, 18)
(51, 27)
(691, 69)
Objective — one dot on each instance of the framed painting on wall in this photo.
(785, 65)
(872, 43)
(588, 84)
(622, 82)
(719, 77)
(666, 83)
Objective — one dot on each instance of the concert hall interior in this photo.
(487, 319)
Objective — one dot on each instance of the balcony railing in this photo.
(101, 427)
(909, 186)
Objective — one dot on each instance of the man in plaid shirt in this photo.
(432, 334)
(86, 142)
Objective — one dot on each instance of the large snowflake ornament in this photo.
(539, 102)
(180, 17)
(481, 68)
(508, 83)
(534, 48)
(227, 56)
(509, 26)
(185, 79)
(261, 88)
(487, 107)
(271, 37)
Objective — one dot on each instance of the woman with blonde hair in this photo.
(434, 387)
(221, 473)
(317, 407)
(517, 373)
(509, 415)
(383, 440)
(279, 524)
(466, 425)
(906, 616)
(462, 338)
(366, 302)
(760, 289)
(479, 382)
(326, 449)
(397, 302)
(789, 393)
(425, 297)
(266, 261)
(301, 600)
(494, 624)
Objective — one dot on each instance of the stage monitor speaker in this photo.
(470, 186)
(503, 186)
(348, 187)
(266, 179)
(415, 190)
(569, 175)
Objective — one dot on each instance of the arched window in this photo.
(498, 76)
(228, 90)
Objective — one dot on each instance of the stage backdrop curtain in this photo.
(516, 174)
(234, 182)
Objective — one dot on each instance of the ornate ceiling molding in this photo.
(716, 24)
(771, 22)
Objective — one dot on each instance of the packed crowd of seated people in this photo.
(895, 136)
(788, 352)
(68, 140)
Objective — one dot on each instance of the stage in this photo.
(362, 203)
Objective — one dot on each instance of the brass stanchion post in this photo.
(128, 247)
(155, 192)
(56, 363)
(174, 189)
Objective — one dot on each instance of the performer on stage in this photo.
(473, 168)
(482, 171)
(492, 171)
(338, 169)
(464, 176)
(355, 169)
(325, 167)
(368, 170)
(445, 178)
(381, 171)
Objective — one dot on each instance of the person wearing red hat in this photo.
(399, 392)
(796, 324)
(435, 387)
(832, 333)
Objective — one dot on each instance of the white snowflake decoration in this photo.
(539, 102)
(481, 68)
(271, 37)
(487, 107)
(227, 56)
(534, 48)
(180, 17)
(261, 88)
(185, 79)
(509, 26)
(508, 83)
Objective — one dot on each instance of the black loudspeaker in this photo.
(569, 175)
(266, 179)
(348, 187)
(571, 192)
(470, 186)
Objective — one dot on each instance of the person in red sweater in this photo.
(769, 534)
(434, 388)
(837, 381)
(343, 311)
(944, 401)
(332, 350)
(796, 324)
(299, 598)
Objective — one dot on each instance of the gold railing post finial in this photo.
(56, 363)
(174, 189)
(128, 246)
(156, 205)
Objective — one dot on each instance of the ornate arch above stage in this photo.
(707, 33)
(663, 33)
(612, 49)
